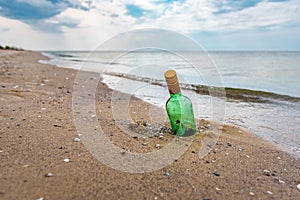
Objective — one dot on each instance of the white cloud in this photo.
(103, 19)
(93, 26)
(200, 16)
(264, 14)
(19, 34)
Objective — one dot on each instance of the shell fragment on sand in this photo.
(267, 172)
(122, 152)
(49, 174)
(76, 140)
(166, 174)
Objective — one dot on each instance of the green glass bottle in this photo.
(179, 108)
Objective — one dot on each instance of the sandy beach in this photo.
(39, 158)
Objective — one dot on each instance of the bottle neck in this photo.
(176, 94)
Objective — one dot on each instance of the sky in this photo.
(214, 24)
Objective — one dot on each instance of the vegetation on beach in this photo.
(231, 94)
(247, 95)
(10, 48)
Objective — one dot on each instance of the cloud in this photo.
(226, 6)
(209, 16)
(20, 34)
(82, 24)
(31, 9)
(38, 13)
(264, 15)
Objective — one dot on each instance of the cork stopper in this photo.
(172, 81)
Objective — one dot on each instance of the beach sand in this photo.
(37, 134)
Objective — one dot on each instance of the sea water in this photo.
(276, 73)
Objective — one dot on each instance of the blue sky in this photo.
(214, 24)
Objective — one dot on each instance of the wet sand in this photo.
(37, 134)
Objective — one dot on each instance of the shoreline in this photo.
(38, 131)
(232, 94)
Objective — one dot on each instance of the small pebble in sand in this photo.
(278, 158)
(42, 198)
(66, 160)
(213, 161)
(247, 156)
(166, 174)
(49, 175)
(39, 116)
(251, 193)
(298, 186)
(161, 137)
(216, 174)
(93, 116)
(76, 139)
(281, 181)
(144, 144)
(267, 172)
(240, 149)
(157, 145)
(43, 108)
(122, 152)
(269, 192)
(218, 189)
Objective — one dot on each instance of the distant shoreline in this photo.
(10, 48)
